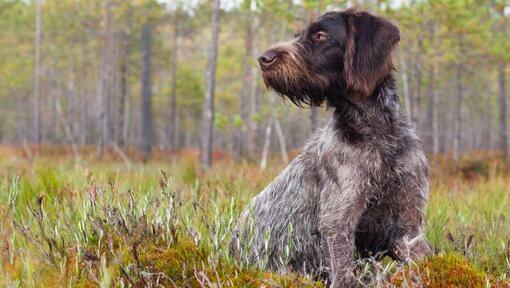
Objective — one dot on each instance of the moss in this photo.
(184, 262)
(177, 261)
(446, 270)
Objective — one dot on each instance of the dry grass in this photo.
(99, 223)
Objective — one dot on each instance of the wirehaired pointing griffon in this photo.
(359, 186)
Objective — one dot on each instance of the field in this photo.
(89, 223)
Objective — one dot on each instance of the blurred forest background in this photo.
(142, 75)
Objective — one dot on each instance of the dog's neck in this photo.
(377, 117)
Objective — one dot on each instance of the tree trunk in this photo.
(314, 119)
(172, 127)
(83, 120)
(458, 113)
(503, 132)
(37, 109)
(146, 93)
(123, 95)
(114, 92)
(124, 56)
(70, 111)
(415, 104)
(486, 133)
(105, 79)
(67, 129)
(208, 112)
(433, 97)
(281, 139)
(267, 142)
(405, 84)
(278, 128)
(247, 84)
(255, 103)
(457, 128)
(53, 121)
(56, 93)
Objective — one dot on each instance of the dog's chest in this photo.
(363, 164)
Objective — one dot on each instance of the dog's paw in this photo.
(412, 248)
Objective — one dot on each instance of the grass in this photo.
(92, 223)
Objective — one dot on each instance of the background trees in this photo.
(81, 64)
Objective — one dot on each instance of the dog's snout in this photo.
(267, 59)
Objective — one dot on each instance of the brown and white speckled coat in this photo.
(359, 184)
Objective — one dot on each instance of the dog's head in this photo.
(341, 54)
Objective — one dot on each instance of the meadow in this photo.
(86, 222)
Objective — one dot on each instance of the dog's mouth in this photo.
(269, 75)
(273, 77)
(279, 79)
(295, 85)
(266, 73)
(272, 82)
(283, 74)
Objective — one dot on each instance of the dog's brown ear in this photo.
(367, 59)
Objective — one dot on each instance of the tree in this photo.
(433, 93)
(503, 135)
(457, 129)
(105, 80)
(146, 93)
(208, 112)
(246, 93)
(37, 109)
(416, 100)
(500, 51)
(124, 71)
(463, 25)
(405, 86)
(172, 126)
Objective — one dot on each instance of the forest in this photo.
(134, 132)
(132, 74)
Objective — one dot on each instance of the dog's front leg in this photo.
(341, 209)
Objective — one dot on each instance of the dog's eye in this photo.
(320, 36)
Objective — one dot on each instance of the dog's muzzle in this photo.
(267, 59)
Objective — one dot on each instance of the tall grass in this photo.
(90, 224)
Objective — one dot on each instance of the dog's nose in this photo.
(267, 59)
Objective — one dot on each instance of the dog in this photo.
(360, 185)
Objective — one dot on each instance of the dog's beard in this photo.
(298, 94)
(293, 81)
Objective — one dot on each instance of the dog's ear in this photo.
(367, 60)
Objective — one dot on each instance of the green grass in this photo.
(90, 224)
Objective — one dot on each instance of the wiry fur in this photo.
(293, 73)
(359, 184)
